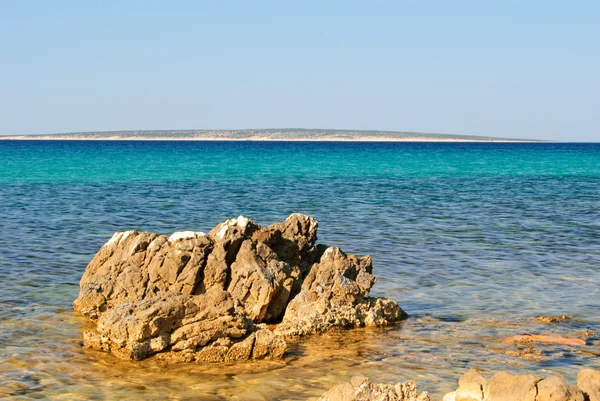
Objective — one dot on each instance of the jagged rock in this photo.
(588, 381)
(133, 265)
(261, 282)
(363, 389)
(227, 238)
(334, 294)
(292, 240)
(138, 329)
(198, 297)
(208, 325)
(554, 388)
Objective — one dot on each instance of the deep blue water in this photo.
(458, 232)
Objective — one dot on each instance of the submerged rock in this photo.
(360, 388)
(528, 338)
(553, 319)
(204, 297)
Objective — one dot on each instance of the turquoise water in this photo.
(474, 241)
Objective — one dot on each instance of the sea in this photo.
(475, 241)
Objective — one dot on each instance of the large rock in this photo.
(204, 297)
(363, 389)
(334, 294)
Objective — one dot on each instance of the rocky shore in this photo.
(503, 386)
(236, 293)
(473, 386)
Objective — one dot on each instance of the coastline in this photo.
(266, 139)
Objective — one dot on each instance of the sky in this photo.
(526, 69)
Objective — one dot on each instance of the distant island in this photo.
(287, 134)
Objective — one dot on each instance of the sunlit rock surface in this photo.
(503, 386)
(206, 297)
(360, 388)
(335, 294)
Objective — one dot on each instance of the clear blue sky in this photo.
(506, 68)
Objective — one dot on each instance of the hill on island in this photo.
(288, 134)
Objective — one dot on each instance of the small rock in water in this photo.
(360, 388)
(553, 319)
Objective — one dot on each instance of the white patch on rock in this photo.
(184, 235)
(125, 235)
(223, 230)
(313, 225)
(299, 215)
(242, 221)
(114, 239)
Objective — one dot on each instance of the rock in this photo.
(138, 329)
(506, 387)
(334, 294)
(261, 281)
(227, 238)
(574, 342)
(554, 388)
(363, 389)
(267, 345)
(197, 297)
(207, 325)
(588, 381)
(292, 240)
(133, 266)
(472, 386)
(553, 319)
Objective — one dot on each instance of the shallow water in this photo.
(473, 240)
